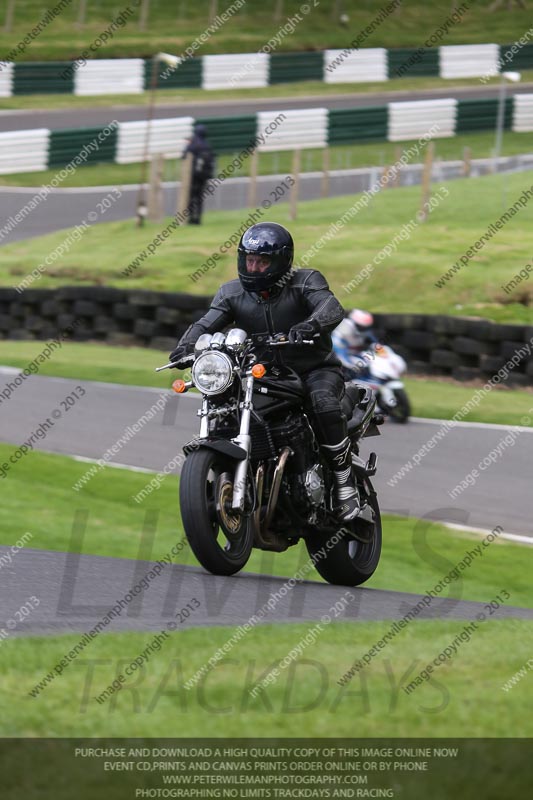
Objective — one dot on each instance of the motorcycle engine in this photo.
(313, 485)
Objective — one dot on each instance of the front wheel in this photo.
(220, 538)
(351, 556)
(401, 411)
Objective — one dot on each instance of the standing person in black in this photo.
(202, 170)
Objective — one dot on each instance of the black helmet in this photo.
(200, 130)
(268, 239)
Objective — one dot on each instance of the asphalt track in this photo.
(95, 117)
(75, 592)
(66, 208)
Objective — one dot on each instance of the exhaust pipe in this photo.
(263, 539)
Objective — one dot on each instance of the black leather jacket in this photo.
(203, 158)
(306, 295)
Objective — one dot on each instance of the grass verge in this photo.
(441, 399)
(131, 366)
(155, 704)
(411, 256)
(173, 27)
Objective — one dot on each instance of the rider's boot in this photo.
(339, 457)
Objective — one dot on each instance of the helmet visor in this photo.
(257, 263)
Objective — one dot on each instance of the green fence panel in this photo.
(291, 67)
(409, 62)
(357, 124)
(479, 115)
(230, 134)
(521, 59)
(188, 75)
(66, 144)
(51, 77)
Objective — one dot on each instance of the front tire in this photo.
(204, 496)
(353, 559)
(401, 411)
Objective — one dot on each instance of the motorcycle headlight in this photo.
(212, 373)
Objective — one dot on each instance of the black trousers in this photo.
(325, 389)
(196, 202)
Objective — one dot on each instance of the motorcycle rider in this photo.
(351, 339)
(268, 298)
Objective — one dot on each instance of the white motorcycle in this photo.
(384, 370)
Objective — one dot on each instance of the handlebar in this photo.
(280, 340)
(283, 342)
(172, 364)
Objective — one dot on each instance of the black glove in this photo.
(178, 354)
(303, 330)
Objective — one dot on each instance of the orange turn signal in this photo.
(179, 386)
(258, 370)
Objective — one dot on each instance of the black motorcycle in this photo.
(255, 476)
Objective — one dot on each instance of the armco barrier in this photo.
(357, 124)
(230, 134)
(131, 76)
(301, 128)
(6, 80)
(24, 151)
(522, 58)
(469, 61)
(481, 115)
(292, 67)
(65, 145)
(168, 136)
(359, 66)
(413, 120)
(523, 113)
(239, 71)
(188, 75)
(45, 77)
(110, 76)
(410, 63)
(463, 348)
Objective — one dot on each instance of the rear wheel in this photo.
(354, 556)
(220, 538)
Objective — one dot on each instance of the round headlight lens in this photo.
(212, 373)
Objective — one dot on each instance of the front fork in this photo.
(245, 441)
(387, 392)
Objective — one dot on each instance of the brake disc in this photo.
(231, 521)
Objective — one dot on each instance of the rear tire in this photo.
(351, 561)
(218, 551)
